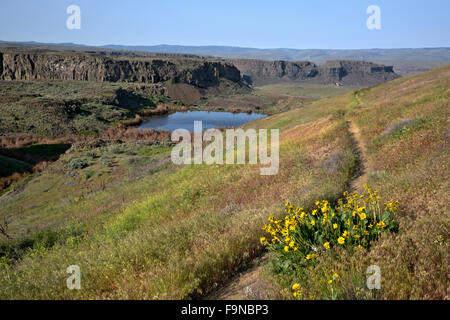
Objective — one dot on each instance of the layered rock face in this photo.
(343, 72)
(356, 72)
(269, 71)
(196, 72)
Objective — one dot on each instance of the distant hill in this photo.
(315, 55)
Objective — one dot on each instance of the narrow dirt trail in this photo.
(361, 153)
(249, 285)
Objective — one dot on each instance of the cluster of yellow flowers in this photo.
(297, 293)
(333, 278)
(356, 220)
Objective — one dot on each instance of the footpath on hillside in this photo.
(249, 284)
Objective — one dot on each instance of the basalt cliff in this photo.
(341, 72)
(200, 73)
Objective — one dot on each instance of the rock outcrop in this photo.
(353, 72)
(200, 73)
(347, 72)
(261, 71)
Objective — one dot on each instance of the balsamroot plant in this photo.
(356, 221)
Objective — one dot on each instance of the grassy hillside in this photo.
(54, 108)
(404, 126)
(140, 227)
(270, 99)
(172, 233)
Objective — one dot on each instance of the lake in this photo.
(210, 119)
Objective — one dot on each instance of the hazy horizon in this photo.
(251, 24)
(209, 45)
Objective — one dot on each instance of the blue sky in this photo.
(302, 24)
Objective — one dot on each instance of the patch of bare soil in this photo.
(183, 92)
(247, 285)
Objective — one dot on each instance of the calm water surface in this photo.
(210, 119)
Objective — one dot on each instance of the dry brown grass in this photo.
(114, 133)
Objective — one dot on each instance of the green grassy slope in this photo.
(141, 227)
(169, 234)
(53, 108)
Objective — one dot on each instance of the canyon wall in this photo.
(343, 72)
(197, 72)
(49, 66)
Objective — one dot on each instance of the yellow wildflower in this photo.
(310, 256)
(326, 245)
(341, 240)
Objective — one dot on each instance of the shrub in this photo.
(77, 163)
(106, 162)
(115, 149)
(91, 154)
(356, 221)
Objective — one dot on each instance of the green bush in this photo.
(77, 163)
